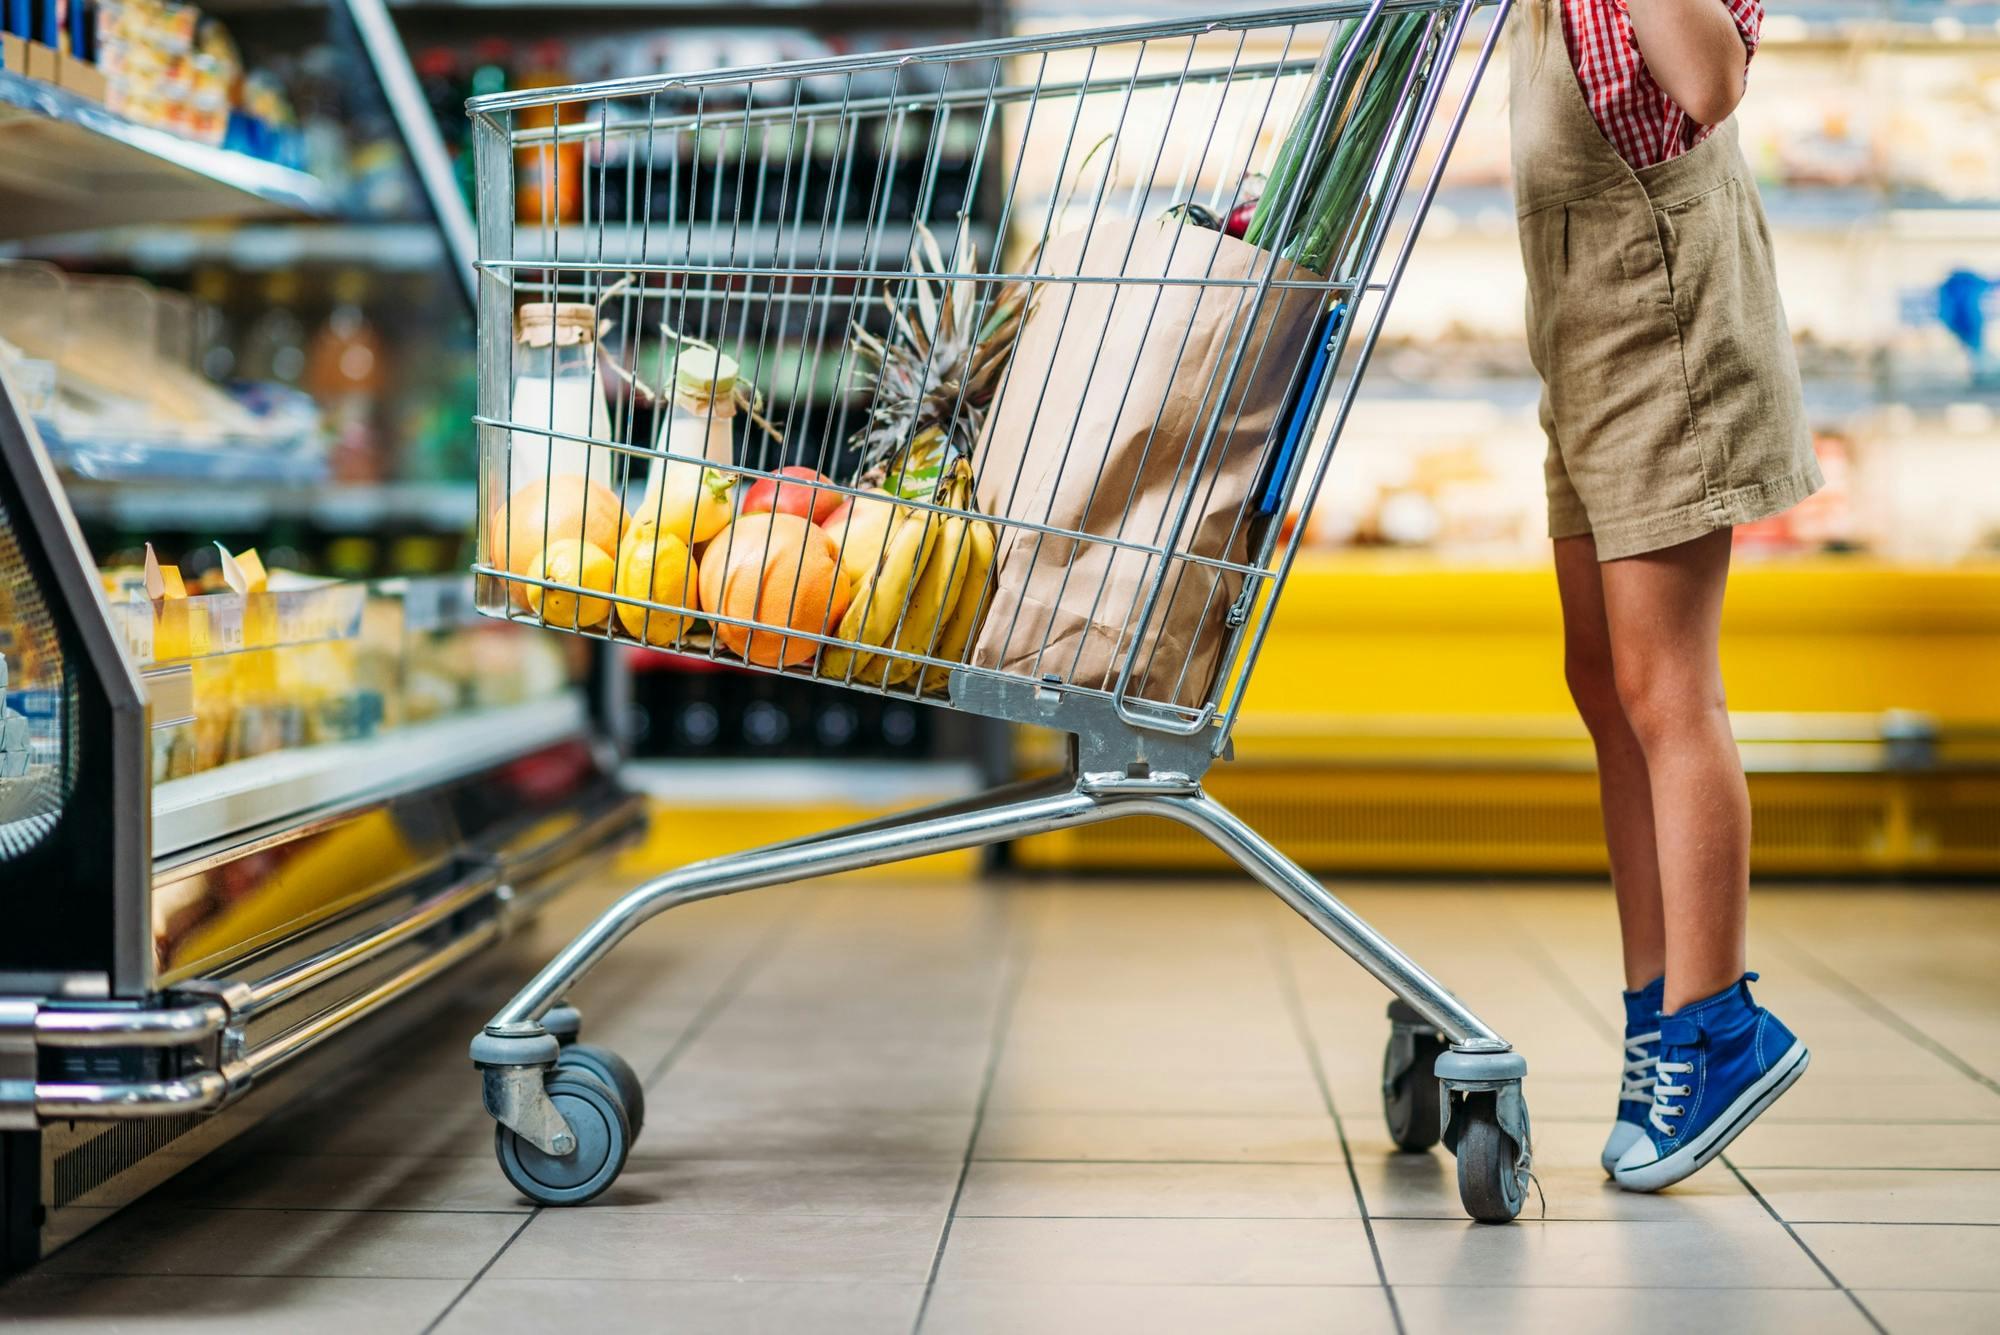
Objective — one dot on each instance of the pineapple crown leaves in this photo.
(940, 364)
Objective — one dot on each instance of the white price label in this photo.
(294, 617)
(225, 623)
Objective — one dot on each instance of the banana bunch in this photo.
(925, 596)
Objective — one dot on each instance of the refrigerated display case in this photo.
(186, 922)
(245, 815)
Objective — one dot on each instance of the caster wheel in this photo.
(603, 1138)
(614, 1072)
(1411, 1101)
(563, 1023)
(1490, 1185)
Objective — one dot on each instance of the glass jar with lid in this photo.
(558, 409)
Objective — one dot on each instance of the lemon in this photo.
(658, 568)
(582, 564)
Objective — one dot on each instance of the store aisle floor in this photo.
(1105, 1107)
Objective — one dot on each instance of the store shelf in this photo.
(1487, 211)
(438, 507)
(396, 247)
(66, 163)
(125, 459)
(270, 789)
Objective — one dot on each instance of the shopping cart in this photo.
(1041, 410)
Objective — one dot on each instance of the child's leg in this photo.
(1623, 788)
(1664, 611)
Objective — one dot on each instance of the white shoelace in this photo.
(1638, 1085)
(1662, 1091)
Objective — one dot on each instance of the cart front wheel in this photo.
(603, 1138)
(1491, 1184)
(1410, 1100)
(615, 1073)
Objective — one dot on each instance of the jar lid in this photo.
(704, 373)
(564, 323)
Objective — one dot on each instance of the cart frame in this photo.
(566, 1112)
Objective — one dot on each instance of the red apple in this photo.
(770, 496)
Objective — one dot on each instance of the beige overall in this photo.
(1670, 393)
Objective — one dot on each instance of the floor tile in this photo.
(785, 1186)
(1715, 1252)
(1864, 1196)
(349, 1182)
(1453, 1311)
(536, 1306)
(1158, 1251)
(777, 1131)
(221, 1305)
(1159, 1190)
(168, 1240)
(1925, 1313)
(1065, 1136)
(1908, 1256)
(1179, 1309)
(1030, 1082)
(615, 1245)
(1869, 1145)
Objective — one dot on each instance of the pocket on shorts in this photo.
(1741, 372)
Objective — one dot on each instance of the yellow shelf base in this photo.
(1540, 822)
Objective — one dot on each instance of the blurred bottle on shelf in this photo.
(548, 178)
(215, 334)
(274, 346)
(345, 372)
(437, 78)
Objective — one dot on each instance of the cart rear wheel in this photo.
(603, 1138)
(1491, 1185)
(1411, 1100)
(614, 1072)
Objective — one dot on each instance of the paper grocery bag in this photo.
(1097, 431)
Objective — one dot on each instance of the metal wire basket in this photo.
(1056, 420)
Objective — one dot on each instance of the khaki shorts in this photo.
(1670, 393)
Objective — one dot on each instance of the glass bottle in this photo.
(557, 389)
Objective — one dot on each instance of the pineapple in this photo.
(937, 371)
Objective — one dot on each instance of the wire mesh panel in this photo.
(917, 372)
(37, 706)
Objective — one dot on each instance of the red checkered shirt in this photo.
(1636, 115)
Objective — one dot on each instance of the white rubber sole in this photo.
(1624, 1135)
(1748, 1106)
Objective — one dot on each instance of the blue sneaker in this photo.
(1642, 1049)
(1723, 1060)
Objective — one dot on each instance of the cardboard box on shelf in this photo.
(13, 54)
(81, 77)
(43, 63)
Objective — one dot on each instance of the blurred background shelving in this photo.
(1874, 130)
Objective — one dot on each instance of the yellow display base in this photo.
(677, 834)
(1527, 821)
(1409, 715)
(1377, 634)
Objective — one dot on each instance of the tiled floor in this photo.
(1104, 1107)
